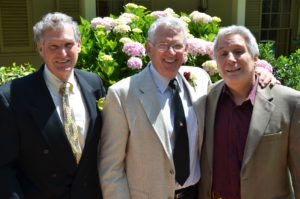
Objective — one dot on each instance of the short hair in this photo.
(167, 23)
(239, 30)
(54, 20)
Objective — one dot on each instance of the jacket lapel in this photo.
(261, 115)
(146, 91)
(49, 123)
(211, 108)
(90, 103)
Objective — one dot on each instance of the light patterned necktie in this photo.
(70, 126)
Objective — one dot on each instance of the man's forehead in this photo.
(232, 39)
(163, 33)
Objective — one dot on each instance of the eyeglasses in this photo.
(165, 47)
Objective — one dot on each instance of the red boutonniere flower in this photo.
(191, 79)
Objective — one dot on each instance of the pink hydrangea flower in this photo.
(158, 14)
(96, 22)
(198, 46)
(105, 22)
(200, 17)
(134, 63)
(134, 49)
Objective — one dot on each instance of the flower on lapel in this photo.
(191, 79)
(100, 103)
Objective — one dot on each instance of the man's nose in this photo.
(231, 56)
(63, 51)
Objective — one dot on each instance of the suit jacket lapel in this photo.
(194, 96)
(190, 89)
(146, 91)
(261, 115)
(49, 123)
(211, 108)
(90, 103)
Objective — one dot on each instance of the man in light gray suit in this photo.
(252, 135)
(136, 159)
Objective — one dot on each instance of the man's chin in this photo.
(66, 68)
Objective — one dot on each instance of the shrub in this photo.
(113, 47)
(8, 73)
(286, 68)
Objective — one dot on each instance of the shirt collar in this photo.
(161, 82)
(55, 83)
(252, 93)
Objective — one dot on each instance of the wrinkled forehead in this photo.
(167, 33)
(58, 31)
(231, 39)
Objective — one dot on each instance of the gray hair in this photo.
(239, 30)
(167, 23)
(54, 20)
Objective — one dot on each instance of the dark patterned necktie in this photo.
(70, 126)
(181, 148)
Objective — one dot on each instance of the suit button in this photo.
(53, 175)
(172, 172)
(45, 151)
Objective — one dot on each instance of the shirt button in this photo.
(53, 175)
(45, 151)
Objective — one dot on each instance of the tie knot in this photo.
(66, 88)
(174, 84)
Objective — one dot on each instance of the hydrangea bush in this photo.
(113, 46)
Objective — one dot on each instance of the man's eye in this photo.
(178, 46)
(53, 47)
(69, 45)
(238, 52)
(163, 46)
(223, 54)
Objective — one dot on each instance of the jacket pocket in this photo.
(272, 136)
(137, 194)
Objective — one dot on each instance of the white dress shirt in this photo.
(165, 98)
(76, 101)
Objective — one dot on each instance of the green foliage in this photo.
(103, 40)
(286, 68)
(8, 73)
(102, 49)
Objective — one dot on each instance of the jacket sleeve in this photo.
(294, 150)
(112, 149)
(9, 184)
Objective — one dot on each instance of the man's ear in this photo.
(39, 48)
(79, 46)
(148, 47)
(186, 47)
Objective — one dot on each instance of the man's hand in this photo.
(265, 77)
